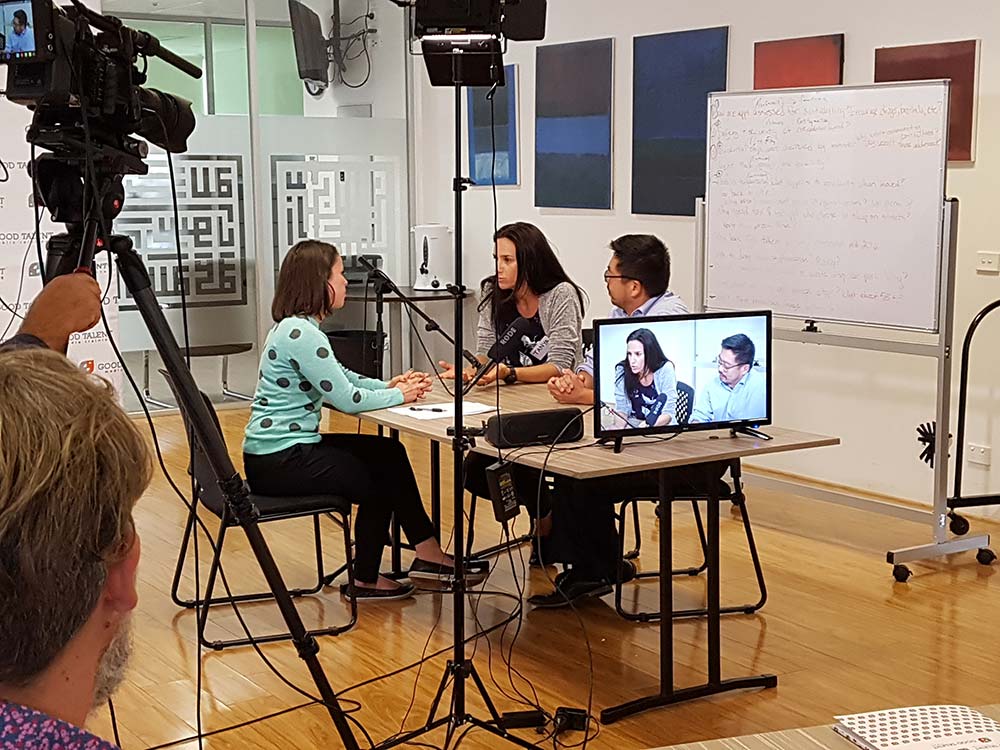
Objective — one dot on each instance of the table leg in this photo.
(668, 694)
(397, 549)
(436, 486)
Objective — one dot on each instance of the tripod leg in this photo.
(437, 696)
(482, 691)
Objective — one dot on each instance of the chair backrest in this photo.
(685, 402)
(588, 338)
(209, 493)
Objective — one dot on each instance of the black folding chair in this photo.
(208, 494)
(685, 405)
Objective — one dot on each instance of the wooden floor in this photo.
(841, 636)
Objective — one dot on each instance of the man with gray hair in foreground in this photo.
(72, 466)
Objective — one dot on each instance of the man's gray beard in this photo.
(113, 664)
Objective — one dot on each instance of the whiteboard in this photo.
(827, 203)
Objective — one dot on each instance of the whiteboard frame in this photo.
(942, 185)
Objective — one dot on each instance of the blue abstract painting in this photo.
(672, 76)
(573, 85)
(482, 166)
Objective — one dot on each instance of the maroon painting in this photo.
(955, 60)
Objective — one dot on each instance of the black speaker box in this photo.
(544, 427)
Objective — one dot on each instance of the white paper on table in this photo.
(441, 411)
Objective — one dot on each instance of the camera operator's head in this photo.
(72, 466)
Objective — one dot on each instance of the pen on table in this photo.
(426, 408)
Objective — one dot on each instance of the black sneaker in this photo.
(627, 570)
(570, 590)
(366, 593)
(475, 571)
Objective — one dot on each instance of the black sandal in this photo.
(476, 571)
(403, 591)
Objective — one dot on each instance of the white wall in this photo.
(872, 400)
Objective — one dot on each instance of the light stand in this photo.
(465, 57)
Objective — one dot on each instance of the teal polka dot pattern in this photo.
(299, 372)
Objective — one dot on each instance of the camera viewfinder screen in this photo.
(667, 374)
(17, 31)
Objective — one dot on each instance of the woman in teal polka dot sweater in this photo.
(284, 452)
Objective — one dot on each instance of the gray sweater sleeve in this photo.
(665, 380)
(485, 335)
(562, 319)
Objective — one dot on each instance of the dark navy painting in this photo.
(573, 84)
(482, 166)
(672, 76)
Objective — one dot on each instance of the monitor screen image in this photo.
(667, 374)
(17, 31)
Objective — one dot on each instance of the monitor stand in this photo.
(617, 441)
(750, 431)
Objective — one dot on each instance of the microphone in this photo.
(505, 345)
(656, 409)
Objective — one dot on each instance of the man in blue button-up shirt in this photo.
(740, 392)
(637, 279)
(583, 535)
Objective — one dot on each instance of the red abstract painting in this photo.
(793, 63)
(958, 61)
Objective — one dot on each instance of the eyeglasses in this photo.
(725, 366)
(608, 276)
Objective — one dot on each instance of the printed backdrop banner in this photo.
(20, 276)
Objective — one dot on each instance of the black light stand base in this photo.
(454, 721)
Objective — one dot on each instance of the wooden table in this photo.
(587, 461)
(814, 738)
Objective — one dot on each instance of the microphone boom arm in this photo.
(429, 323)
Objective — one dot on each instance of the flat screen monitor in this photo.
(19, 31)
(686, 372)
(310, 45)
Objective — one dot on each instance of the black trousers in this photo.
(584, 534)
(525, 482)
(372, 472)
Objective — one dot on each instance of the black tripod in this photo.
(60, 187)
(460, 668)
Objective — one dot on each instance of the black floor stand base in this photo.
(458, 718)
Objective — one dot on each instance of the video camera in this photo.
(58, 66)
(76, 69)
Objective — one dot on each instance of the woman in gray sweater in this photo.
(645, 383)
(530, 320)
(532, 306)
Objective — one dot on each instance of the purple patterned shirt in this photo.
(23, 728)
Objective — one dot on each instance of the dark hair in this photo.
(20, 15)
(537, 267)
(302, 288)
(655, 359)
(645, 259)
(740, 345)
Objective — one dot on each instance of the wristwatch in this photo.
(511, 377)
